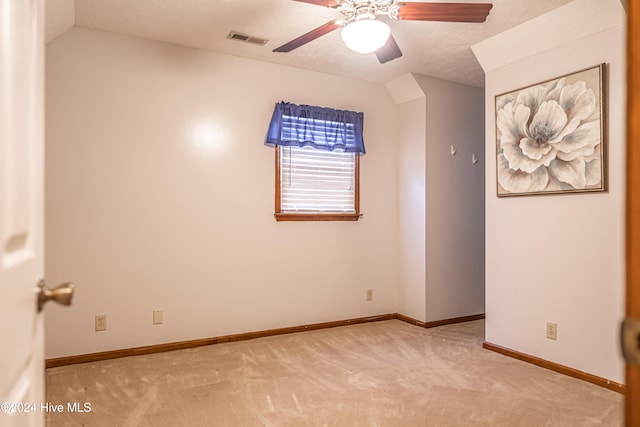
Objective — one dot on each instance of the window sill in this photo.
(317, 217)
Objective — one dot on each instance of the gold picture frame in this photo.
(551, 136)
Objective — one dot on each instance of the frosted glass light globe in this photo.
(365, 36)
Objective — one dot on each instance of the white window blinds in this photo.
(316, 180)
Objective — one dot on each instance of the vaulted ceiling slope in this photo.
(436, 49)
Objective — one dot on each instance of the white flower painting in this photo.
(550, 136)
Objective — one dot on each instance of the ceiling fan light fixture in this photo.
(365, 36)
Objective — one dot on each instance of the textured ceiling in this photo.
(437, 49)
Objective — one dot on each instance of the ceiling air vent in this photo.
(234, 35)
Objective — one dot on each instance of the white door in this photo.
(21, 211)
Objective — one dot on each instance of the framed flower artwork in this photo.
(551, 136)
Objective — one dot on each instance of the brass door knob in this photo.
(62, 294)
(630, 339)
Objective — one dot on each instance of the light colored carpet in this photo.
(377, 374)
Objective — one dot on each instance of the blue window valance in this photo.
(318, 127)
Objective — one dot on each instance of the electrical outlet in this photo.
(369, 294)
(157, 317)
(552, 331)
(101, 322)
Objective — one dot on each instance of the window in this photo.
(312, 181)
(317, 162)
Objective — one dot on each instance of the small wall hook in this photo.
(453, 150)
(474, 158)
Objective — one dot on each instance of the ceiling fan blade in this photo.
(308, 37)
(326, 3)
(389, 51)
(447, 12)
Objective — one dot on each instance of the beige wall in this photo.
(558, 258)
(160, 194)
(411, 201)
(441, 197)
(455, 199)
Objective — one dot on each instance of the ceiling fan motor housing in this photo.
(358, 10)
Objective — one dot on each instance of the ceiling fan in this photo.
(364, 33)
